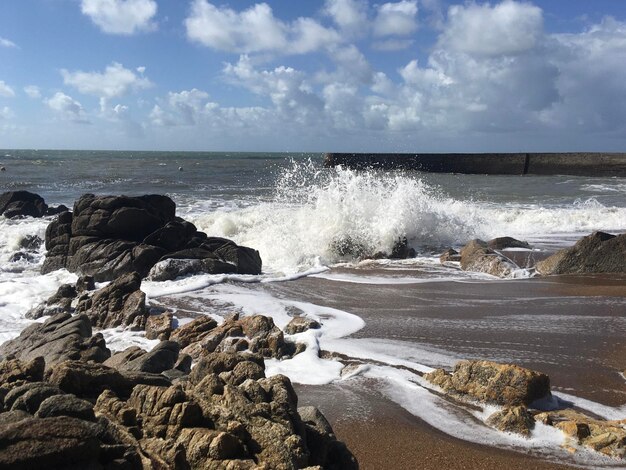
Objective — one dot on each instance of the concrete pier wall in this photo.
(581, 164)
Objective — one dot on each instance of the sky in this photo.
(313, 75)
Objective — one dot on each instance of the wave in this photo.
(321, 217)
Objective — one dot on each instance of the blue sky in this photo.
(327, 75)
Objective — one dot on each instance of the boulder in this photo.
(22, 204)
(59, 302)
(193, 331)
(597, 253)
(110, 236)
(162, 357)
(30, 243)
(59, 338)
(477, 257)
(449, 255)
(300, 325)
(159, 326)
(515, 419)
(502, 243)
(61, 442)
(66, 405)
(121, 303)
(491, 382)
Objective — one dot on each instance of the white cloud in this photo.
(6, 90)
(67, 107)
(509, 27)
(121, 16)
(255, 29)
(392, 44)
(115, 81)
(6, 113)
(349, 15)
(7, 43)
(396, 19)
(32, 91)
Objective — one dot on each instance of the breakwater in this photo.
(572, 163)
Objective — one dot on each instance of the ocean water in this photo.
(301, 217)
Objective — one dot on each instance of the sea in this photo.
(312, 226)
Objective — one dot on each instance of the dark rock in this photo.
(59, 302)
(59, 338)
(85, 283)
(402, 250)
(162, 357)
(120, 358)
(301, 324)
(502, 243)
(15, 370)
(56, 210)
(172, 236)
(21, 256)
(503, 384)
(59, 442)
(58, 235)
(10, 417)
(88, 380)
(477, 257)
(29, 396)
(22, 203)
(172, 268)
(31, 242)
(121, 303)
(66, 405)
(216, 363)
(597, 253)
(515, 419)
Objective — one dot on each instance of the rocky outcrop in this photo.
(21, 204)
(476, 256)
(486, 381)
(109, 236)
(60, 338)
(597, 253)
(257, 334)
(607, 437)
(121, 303)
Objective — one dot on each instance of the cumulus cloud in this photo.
(349, 15)
(6, 113)
(396, 19)
(6, 90)
(67, 107)
(255, 29)
(32, 91)
(7, 43)
(509, 27)
(113, 82)
(121, 16)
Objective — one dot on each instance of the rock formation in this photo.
(109, 236)
(597, 253)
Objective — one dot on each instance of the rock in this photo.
(59, 302)
(502, 243)
(162, 357)
(56, 210)
(60, 442)
(159, 326)
(121, 303)
(171, 268)
(300, 325)
(110, 236)
(30, 243)
(449, 255)
(477, 257)
(29, 396)
(59, 338)
(193, 331)
(21, 256)
(22, 204)
(573, 429)
(89, 380)
(503, 384)
(597, 253)
(13, 416)
(15, 370)
(256, 333)
(85, 283)
(66, 405)
(117, 360)
(515, 419)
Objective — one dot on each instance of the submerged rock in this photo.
(476, 256)
(59, 302)
(597, 253)
(515, 419)
(490, 382)
(110, 236)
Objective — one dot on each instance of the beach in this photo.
(325, 237)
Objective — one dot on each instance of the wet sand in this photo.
(382, 435)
